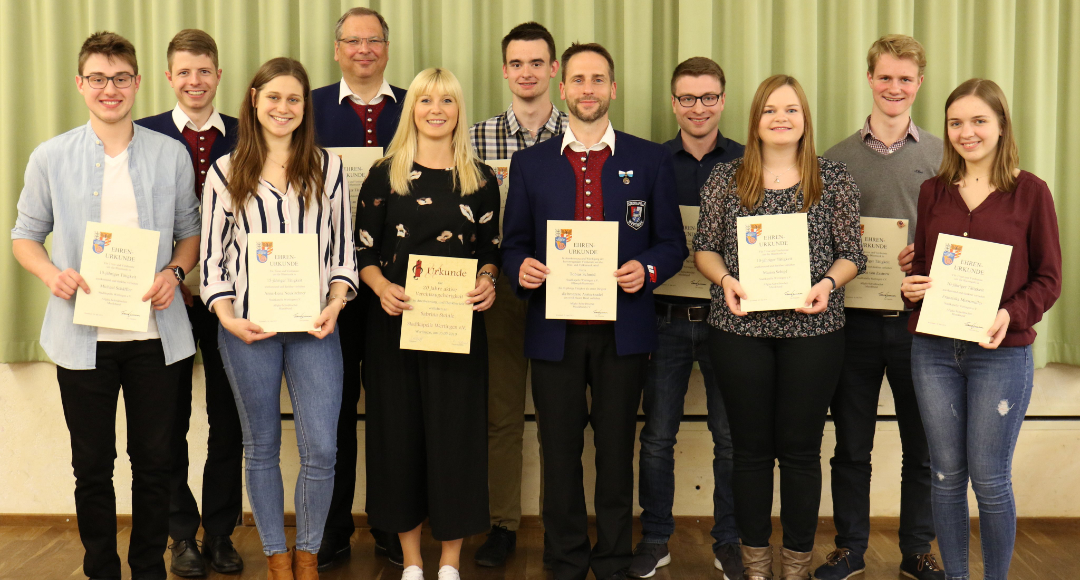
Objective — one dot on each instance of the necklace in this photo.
(777, 176)
(275, 162)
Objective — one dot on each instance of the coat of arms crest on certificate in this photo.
(263, 253)
(101, 239)
(562, 238)
(951, 254)
(753, 231)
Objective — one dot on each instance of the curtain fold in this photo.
(1031, 48)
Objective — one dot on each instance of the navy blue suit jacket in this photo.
(163, 124)
(338, 125)
(543, 187)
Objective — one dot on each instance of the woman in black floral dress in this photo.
(779, 368)
(427, 411)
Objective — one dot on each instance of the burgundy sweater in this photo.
(1024, 219)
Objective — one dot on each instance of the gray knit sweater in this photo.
(889, 184)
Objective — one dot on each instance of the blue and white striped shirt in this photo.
(224, 251)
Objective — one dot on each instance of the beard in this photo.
(601, 110)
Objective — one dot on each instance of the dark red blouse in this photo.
(1024, 219)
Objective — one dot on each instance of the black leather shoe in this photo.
(187, 562)
(331, 551)
(219, 551)
(500, 543)
(388, 545)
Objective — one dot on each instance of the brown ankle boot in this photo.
(305, 566)
(795, 565)
(279, 567)
(758, 563)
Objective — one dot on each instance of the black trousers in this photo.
(222, 473)
(777, 393)
(90, 399)
(591, 362)
(878, 346)
(351, 328)
(426, 436)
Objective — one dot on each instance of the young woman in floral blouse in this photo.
(427, 411)
(779, 368)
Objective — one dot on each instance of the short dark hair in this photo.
(194, 41)
(110, 44)
(699, 66)
(577, 48)
(361, 11)
(529, 31)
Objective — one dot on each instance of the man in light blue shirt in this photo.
(111, 171)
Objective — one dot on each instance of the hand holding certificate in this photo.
(440, 319)
(879, 287)
(283, 281)
(583, 257)
(118, 266)
(965, 294)
(774, 261)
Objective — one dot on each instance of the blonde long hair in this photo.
(402, 150)
(1007, 156)
(748, 181)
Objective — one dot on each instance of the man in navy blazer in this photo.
(362, 110)
(206, 134)
(591, 173)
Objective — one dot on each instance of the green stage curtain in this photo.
(1030, 47)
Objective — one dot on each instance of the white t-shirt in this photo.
(118, 208)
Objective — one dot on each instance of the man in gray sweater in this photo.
(889, 158)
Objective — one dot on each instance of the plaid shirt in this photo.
(879, 146)
(501, 136)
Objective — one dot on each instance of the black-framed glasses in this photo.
(374, 42)
(690, 100)
(120, 81)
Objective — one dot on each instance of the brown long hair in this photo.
(1007, 156)
(304, 168)
(748, 181)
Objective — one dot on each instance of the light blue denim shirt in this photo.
(62, 191)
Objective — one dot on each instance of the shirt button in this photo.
(369, 119)
(201, 138)
(202, 161)
(583, 158)
(965, 234)
(588, 205)
(369, 141)
(203, 172)
(98, 142)
(588, 193)
(583, 169)
(369, 130)
(97, 165)
(202, 149)
(588, 218)
(95, 193)
(587, 181)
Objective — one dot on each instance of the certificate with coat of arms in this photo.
(356, 161)
(283, 281)
(582, 257)
(501, 167)
(440, 319)
(879, 287)
(967, 276)
(688, 282)
(118, 264)
(774, 261)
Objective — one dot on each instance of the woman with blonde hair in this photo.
(973, 396)
(781, 366)
(427, 411)
(278, 181)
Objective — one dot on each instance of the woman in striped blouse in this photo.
(278, 181)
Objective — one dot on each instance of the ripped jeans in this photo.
(972, 401)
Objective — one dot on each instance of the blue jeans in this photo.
(972, 402)
(313, 371)
(681, 343)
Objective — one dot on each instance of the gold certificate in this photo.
(582, 257)
(440, 319)
(118, 264)
(879, 287)
(963, 299)
(502, 173)
(357, 161)
(687, 282)
(283, 281)
(774, 261)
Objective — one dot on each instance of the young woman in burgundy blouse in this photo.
(973, 396)
(427, 411)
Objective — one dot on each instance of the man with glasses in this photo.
(119, 174)
(360, 111)
(697, 99)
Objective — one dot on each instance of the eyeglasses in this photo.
(690, 100)
(354, 43)
(120, 81)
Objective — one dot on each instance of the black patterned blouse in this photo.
(833, 228)
(433, 219)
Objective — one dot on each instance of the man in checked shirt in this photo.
(529, 64)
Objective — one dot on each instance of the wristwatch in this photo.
(177, 271)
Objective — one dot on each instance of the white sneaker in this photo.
(449, 573)
(412, 573)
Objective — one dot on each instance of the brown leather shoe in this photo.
(279, 567)
(305, 565)
(758, 563)
(795, 565)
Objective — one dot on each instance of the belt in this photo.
(691, 312)
(881, 313)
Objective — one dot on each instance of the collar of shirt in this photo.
(721, 143)
(569, 140)
(384, 91)
(911, 130)
(181, 120)
(552, 126)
